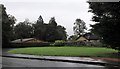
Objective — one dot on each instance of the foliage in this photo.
(79, 28)
(7, 26)
(106, 16)
(39, 28)
(22, 45)
(49, 32)
(72, 38)
(62, 41)
(67, 51)
(52, 21)
(62, 34)
(12, 21)
(58, 43)
(23, 30)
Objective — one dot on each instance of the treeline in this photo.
(40, 30)
(44, 31)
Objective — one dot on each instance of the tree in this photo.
(39, 28)
(7, 26)
(79, 28)
(62, 34)
(54, 31)
(73, 38)
(52, 22)
(40, 20)
(51, 34)
(106, 16)
(12, 21)
(23, 30)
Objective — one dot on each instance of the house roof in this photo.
(89, 36)
(92, 37)
(23, 40)
(81, 38)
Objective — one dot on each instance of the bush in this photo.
(58, 43)
(75, 43)
(19, 45)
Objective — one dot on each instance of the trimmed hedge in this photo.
(56, 44)
(17, 45)
(79, 44)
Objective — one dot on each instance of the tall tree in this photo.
(40, 20)
(23, 30)
(12, 21)
(39, 28)
(51, 34)
(79, 28)
(54, 31)
(107, 18)
(52, 21)
(62, 34)
(7, 24)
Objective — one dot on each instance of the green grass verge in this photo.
(67, 51)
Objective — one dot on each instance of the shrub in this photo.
(58, 43)
(18, 45)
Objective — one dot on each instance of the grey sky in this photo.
(64, 11)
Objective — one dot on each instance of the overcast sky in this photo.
(64, 11)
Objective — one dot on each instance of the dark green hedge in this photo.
(17, 45)
(53, 44)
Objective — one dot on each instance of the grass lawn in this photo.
(67, 51)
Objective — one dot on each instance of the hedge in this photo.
(57, 44)
(17, 45)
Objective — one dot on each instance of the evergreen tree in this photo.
(52, 30)
(107, 18)
(7, 26)
(52, 22)
(40, 20)
(62, 34)
(39, 28)
(55, 32)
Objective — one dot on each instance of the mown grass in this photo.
(67, 51)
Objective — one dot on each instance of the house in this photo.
(27, 40)
(82, 38)
(89, 37)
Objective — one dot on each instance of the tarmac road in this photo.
(17, 62)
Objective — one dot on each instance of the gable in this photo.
(81, 39)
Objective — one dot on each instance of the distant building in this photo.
(88, 37)
(27, 40)
(82, 38)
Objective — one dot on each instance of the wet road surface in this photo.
(15, 62)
